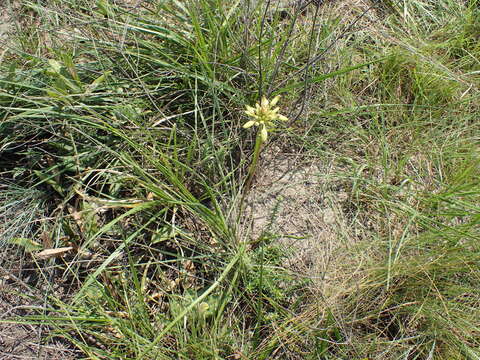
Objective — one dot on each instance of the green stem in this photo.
(253, 165)
(252, 169)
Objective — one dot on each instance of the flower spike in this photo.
(264, 115)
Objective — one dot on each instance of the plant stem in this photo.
(253, 165)
(252, 168)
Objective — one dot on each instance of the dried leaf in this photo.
(189, 266)
(49, 253)
(46, 240)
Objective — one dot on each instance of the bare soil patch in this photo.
(24, 341)
(24, 290)
(293, 198)
(6, 21)
(20, 340)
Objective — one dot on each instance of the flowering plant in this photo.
(264, 115)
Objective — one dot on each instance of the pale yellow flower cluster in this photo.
(264, 115)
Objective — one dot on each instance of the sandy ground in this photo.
(5, 21)
(292, 199)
